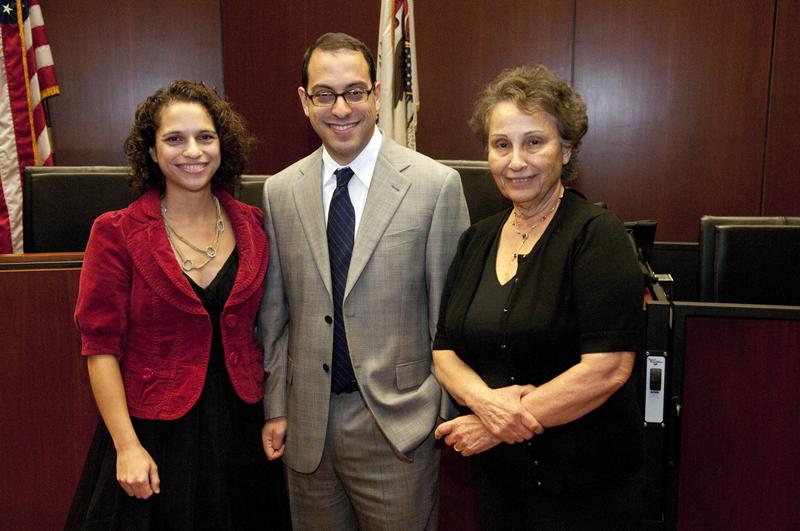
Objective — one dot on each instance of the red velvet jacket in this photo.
(135, 303)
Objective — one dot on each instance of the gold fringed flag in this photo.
(397, 72)
(27, 77)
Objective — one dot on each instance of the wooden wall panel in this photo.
(263, 55)
(677, 94)
(110, 56)
(782, 176)
(263, 85)
(677, 90)
(461, 46)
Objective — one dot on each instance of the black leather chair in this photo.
(709, 226)
(251, 190)
(643, 233)
(757, 264)
(59, 204)
(483, 197)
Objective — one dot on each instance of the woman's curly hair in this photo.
(532, 88)
(234, 138)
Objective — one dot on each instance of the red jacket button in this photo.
(231, 320)
(147, 374)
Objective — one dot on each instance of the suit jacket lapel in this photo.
(386, 192)
(307, 191)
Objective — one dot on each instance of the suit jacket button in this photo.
(147, 374)
(325, 367)
(231, 320)
(328, 319)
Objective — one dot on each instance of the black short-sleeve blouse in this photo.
(578, 291)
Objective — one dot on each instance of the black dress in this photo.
(213, 471)
(578, 291)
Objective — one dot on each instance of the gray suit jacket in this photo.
(415, 212)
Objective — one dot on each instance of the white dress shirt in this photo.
(363, 167)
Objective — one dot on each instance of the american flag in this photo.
(397, 72)
(27, 77)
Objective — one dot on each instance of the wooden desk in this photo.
(47, 412)
(736, 382)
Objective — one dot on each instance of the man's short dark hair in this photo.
(330, 42)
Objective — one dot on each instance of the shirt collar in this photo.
(363, 165)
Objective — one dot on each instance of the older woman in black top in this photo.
(539, 324)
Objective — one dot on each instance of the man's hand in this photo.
(273, 437)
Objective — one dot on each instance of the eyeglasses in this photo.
(326, 98)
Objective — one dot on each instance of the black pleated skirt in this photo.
(213, 471)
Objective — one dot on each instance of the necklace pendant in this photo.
(187, 265)
(220, 225)
(211, 252)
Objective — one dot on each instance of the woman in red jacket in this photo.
(169, 292)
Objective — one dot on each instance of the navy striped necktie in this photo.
(341, 233)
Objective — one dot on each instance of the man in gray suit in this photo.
(362, 232)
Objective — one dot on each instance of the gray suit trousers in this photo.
(361, 482)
